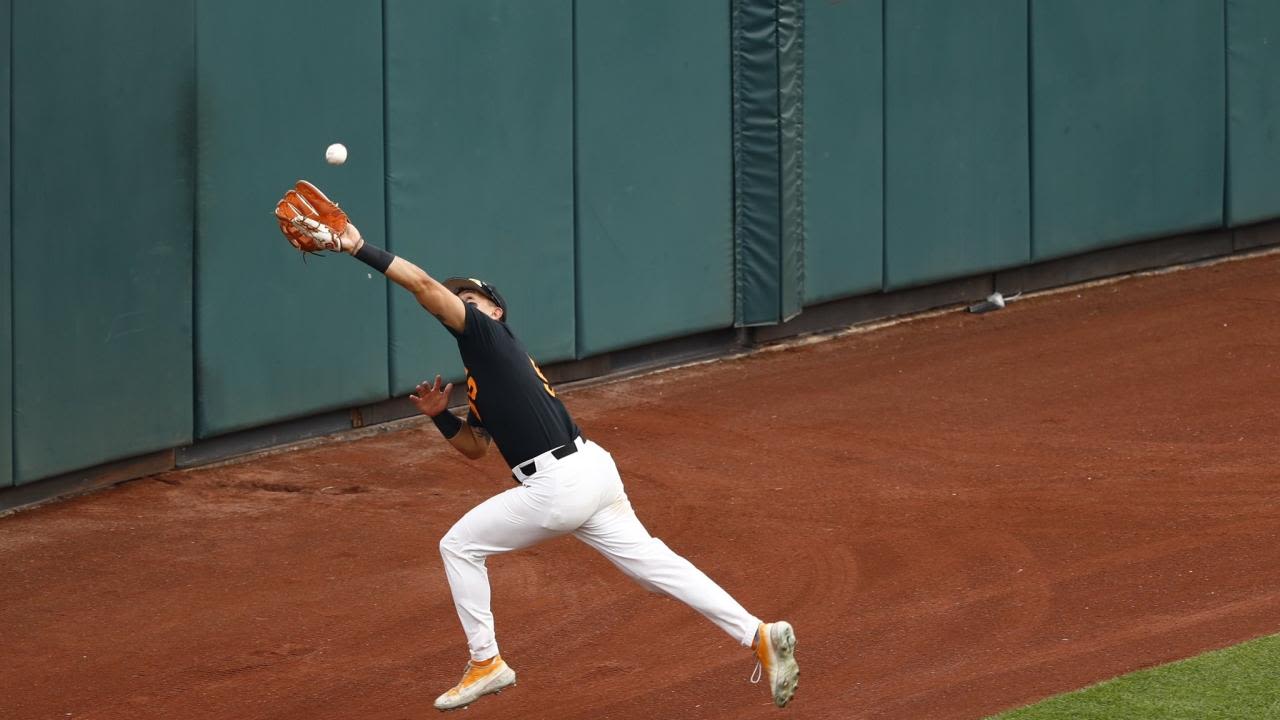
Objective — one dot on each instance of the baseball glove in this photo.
(310, 221)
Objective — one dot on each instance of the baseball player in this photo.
(564, 482)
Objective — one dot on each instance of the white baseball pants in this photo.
(581, 494)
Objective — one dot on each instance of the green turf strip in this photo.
(1238, 683)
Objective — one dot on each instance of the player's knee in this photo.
(655, 549)
(452, 545)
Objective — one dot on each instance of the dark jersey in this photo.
(507, 393)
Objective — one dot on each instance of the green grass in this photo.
(1238, 683)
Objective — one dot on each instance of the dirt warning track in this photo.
(958, 513)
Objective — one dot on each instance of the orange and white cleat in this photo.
(776, 653)
(477, 680)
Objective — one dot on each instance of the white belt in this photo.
(527, 469)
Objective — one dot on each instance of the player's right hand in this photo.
(431, 399)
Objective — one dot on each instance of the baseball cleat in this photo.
(776, 653)
(477, 680)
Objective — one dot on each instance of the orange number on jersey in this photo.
(545, 384)
(472, 391)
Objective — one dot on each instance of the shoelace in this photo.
(466, 673)
(756, 674)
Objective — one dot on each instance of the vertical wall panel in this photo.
(1129, 120)
(6, 275)
(1253, 57)
(956, 156)
(480, 138)
(279, 337)
(844, 149)
(791, 64)
(654, 170)
(767, 46)
(758, 198)
(101, 230)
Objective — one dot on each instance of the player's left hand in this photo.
(311, 222)
(431, 399)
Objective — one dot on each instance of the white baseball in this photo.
(335, 154)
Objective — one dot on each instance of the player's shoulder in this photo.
(481, 327)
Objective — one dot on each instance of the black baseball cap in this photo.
(458, 284)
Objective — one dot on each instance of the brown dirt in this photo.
(958, 513)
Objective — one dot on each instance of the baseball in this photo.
(335, 154)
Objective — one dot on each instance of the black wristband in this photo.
(447, 423)
(375, 257)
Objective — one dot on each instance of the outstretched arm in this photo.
(312, 223)
(436, 298)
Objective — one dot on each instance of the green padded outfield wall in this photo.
(1129, 114)
(6, 276)
(102, 229)
(956, 158)
(278, 337)
(655, 256)
(1253, 94)
(480, 168)
(790, 24)
(767, 47)
(844, 148)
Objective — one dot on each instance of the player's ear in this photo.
(498, 312)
